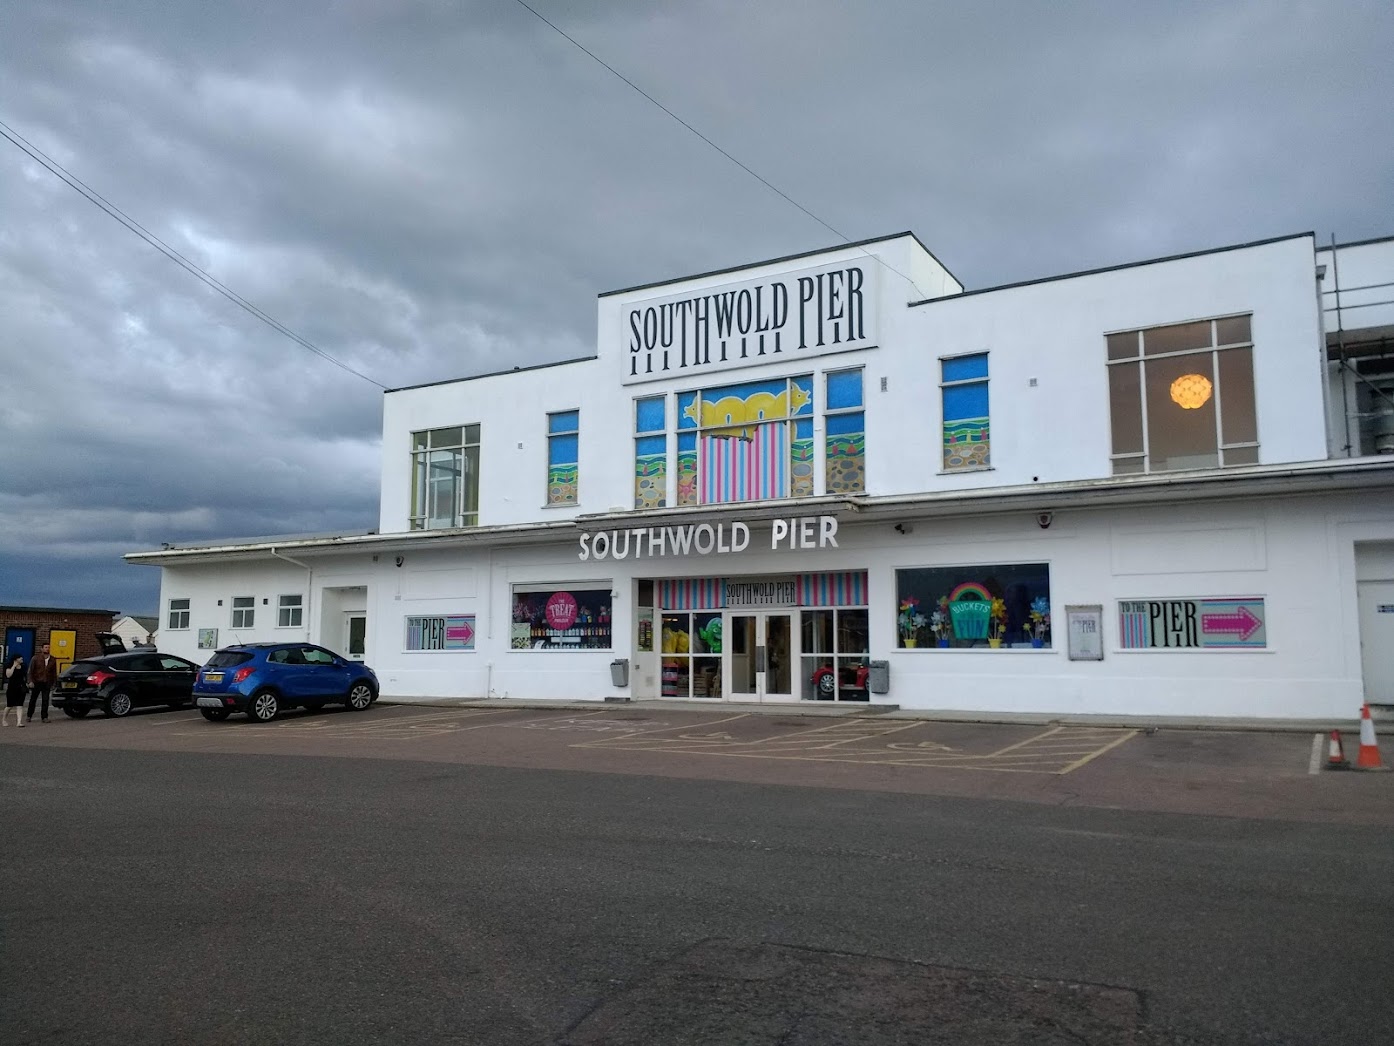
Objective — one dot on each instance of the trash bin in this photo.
(878, 678)
(619, 671)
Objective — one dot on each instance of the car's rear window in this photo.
(82, 668)
(228, 658)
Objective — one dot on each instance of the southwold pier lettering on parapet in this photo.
(704, 539)
(743, 324)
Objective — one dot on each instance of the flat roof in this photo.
(494, 373)
(1117, 268)
(55, 610)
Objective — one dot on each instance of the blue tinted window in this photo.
(965, 368)
(561, 450)
(965, 401)
(649, 414)
(568, 421)
(844, 389)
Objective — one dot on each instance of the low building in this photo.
(136, 630)
(1163, 488)
(71, 633)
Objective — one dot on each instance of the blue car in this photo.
(261, 679)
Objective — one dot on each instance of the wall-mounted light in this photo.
(1191, 391)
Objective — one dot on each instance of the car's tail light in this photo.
(242, 673)
(99, 677)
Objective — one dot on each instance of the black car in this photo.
(116, 683)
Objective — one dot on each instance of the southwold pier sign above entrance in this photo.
(704, 539)
(803, 313)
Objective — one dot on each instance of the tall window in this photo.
(243, 611)
(735, 443)
(963, 389)
(651, 452)
(1182, 396)
(445, 478)
(178, 613)
(289, 611)
(563, 450)
(846, 434)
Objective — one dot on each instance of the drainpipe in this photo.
(309, 586)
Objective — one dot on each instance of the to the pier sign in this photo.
(1192, 624)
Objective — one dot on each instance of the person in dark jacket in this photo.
(43, 673)
(16, 686)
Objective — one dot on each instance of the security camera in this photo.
(1044, 519)
(400, 560)
(905, 528)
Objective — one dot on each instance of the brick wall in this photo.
(86, 623)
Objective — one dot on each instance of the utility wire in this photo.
(75, 183)
(763, 181)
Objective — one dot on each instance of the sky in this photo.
(429, 189)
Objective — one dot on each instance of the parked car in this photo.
(261, 679)
(116, 683)
(854, 675)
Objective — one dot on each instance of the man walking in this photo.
(43, 673)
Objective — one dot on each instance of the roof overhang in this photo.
(1351, 475)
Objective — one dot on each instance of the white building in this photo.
(1163, 488)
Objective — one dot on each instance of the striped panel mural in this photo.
(843, 589)
(737, 469)
(692, 594)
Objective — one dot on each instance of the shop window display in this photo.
(835, 650)
(987, 607)
(561, 619)
(690, 659)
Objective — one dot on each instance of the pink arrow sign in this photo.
(1242, 623)
(462, 632)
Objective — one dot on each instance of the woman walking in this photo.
(16, 683)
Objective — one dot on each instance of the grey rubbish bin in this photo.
(619, 671)
(878, 678)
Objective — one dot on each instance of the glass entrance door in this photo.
(761, 656)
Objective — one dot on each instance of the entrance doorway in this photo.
(762, 656)
(1376, 600)
(355, 636)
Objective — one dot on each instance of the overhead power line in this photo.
(759, 178)
(99, 201)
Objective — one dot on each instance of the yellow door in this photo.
(62, 644)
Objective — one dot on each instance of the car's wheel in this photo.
(75, 713)
(264, 707)
(360, 696)
(827, 684)
(214, 715)
(117, 705)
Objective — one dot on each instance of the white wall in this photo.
(1359, 265)
(205, 585)
(1052, 331)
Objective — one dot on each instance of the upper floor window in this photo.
(738, 442)
(846, 436)
(563, 455)
(651, 452)
(289, 610)
(445, 478)
(963, 390)
(1182, 396)
(178, 613)
(243, 611)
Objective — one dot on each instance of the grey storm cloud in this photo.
(428, 190)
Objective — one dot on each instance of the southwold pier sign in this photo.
(803, 313)
(705, 539)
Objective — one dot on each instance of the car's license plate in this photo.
(69, 686)
(212, 677)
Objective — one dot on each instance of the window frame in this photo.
(644, 435)
(248, 610)
(298, 607)
(1212, 353)
(552, 436)
(828, 412)
(465, 510)
(186, 610)
(957, 383)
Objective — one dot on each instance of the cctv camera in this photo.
(1044, 519)
(400, 560)
(905, 528)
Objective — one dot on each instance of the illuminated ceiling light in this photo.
(1190, 391)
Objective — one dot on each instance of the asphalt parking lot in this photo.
(1225, 773)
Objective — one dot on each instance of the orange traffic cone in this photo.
(1336, 753)
(1368, 756)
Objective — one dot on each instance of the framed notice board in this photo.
(1084, 627)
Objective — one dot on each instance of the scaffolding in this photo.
(1364, 359)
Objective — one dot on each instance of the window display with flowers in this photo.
(986, 607)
